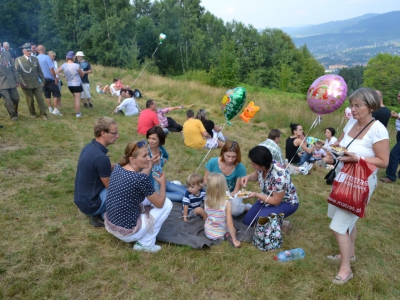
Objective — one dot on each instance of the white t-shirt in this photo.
(130, 107)
(71, 72)
(363, 147)
(329, 143)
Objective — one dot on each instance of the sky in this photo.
(290, 13)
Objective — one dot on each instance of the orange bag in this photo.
(350, 188)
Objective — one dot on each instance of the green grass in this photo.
(49, 250)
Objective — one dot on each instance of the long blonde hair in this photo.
(216, 190)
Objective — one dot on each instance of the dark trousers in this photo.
(11, 99)
(173, 126)
(37, 92)
(394, 160)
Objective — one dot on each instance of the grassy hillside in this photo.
(49, 250)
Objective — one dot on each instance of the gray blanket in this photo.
(191, 233)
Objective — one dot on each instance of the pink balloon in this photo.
(347, 113)
(327, 94)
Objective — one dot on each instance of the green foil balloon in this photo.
(233, 102)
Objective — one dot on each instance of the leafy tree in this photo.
(383, 73)
(225, 69)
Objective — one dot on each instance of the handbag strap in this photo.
(347, 147)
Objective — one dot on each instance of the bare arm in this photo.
(229, 223)
(304, 146)
(206, 135)
(80, 72)
(274, 199)
(238, 185)
(185, 212)
(159, 199)
(338, 140)
(251, 177)
(105, 181)
(175, 108)
(381, 159)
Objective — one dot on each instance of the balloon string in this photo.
(337, 130)
(210, 148)
(152, 56)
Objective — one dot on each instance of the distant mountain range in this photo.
(350, 42)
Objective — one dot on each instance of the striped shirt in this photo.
(215, 226)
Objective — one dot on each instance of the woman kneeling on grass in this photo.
(278, 192)
(130, 216)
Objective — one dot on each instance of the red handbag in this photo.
(350, 190)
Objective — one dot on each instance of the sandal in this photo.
(339, 280)
(337, 258)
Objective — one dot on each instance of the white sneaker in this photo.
(78, 115)
(56, 112)
(139, 247)
(50, 109)
(303, 170)
(309, 167)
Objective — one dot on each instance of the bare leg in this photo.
(220, 144)
(56, 103)
(200, 211)
(346, 248)
(77, 102)
(48, 101)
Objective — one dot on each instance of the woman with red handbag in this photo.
(365, 139)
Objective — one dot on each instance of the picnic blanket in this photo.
(191, 233)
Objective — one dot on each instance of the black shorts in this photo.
(50, 87)
(75, 89)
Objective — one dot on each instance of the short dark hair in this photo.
(189, 113)
(149, 103)
(159, 132)
(130, 92)
(293, 127)
(332, 130)
(261, 156)
(274, 133)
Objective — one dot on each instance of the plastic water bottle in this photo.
(289, 255)
(157, 171)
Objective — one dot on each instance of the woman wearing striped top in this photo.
(219, 210)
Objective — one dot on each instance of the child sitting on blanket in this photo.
(219, 223)
(193, 200)
(318, 152)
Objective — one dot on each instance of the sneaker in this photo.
(56, 112)
(50, 109)
(33, 116)
(309, 166)
(85, 105)
(303, 170)
(45, 118)
(90, 105)
(14, 119)
(78, 115)
(97, 221)
(140, 247)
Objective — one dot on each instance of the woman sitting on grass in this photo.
(229, 164)
(330, 140)
(293, 143)
(156, 139)
(102, 89)
(278, 194)
(135, 212)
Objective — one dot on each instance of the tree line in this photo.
(382, 73)
(123, 33)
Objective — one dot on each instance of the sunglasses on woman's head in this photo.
(139, 144)
(233, 147)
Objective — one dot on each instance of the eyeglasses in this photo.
(356, 106)
(113, 133)
(140, 144)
